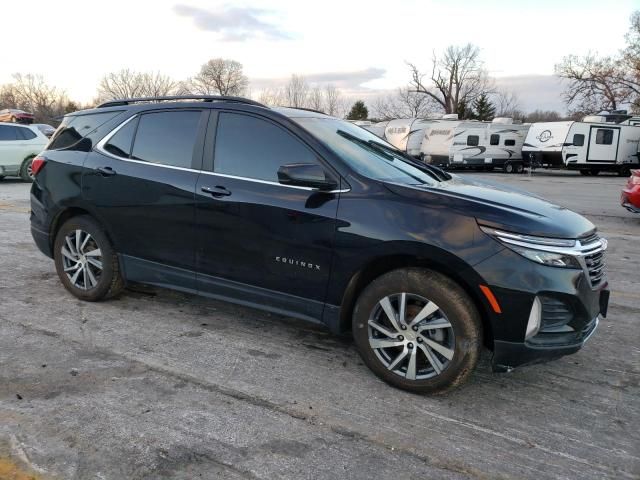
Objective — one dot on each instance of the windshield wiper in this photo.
(438, 172)
(390, 153)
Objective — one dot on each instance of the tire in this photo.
(100, 283)
(624, 171)
(519, 168)
(454, 325)
(594, 172)
(586, 173)
(508, 168)
(25, 170)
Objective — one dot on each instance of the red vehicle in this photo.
(14, 115)
(630, 197)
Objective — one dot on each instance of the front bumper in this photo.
(507, 355)
(570, 307)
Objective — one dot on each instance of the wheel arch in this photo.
(385, 264)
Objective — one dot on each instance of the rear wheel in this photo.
(508, 167)
(86, 262)
(519, 168)
(417, 330)
(594, 171)
(26, 173)
(585, 172)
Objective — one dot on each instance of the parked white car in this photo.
(18, 145)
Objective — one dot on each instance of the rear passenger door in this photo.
(260, 241)
(140, 180)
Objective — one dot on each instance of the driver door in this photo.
(260, 241)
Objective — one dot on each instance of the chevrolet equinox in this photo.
(302, 214)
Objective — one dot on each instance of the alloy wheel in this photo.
(411, 336)
(81, 259)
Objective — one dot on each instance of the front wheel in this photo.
(86, 262)
(508, 167)
(417, 330)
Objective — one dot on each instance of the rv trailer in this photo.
(593, 145)
(406, 134)
(474, 144)
(376, 128)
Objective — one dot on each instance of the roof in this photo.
(300, 112)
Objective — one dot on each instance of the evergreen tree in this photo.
(359, 111)
(464, 113)
(483, 109)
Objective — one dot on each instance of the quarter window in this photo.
(578, 140)
(510, 142)
(120, 143)
(604, 136)
(8, 133)
(473, 140)
(494, 139)
(248, 146)
(166, 138)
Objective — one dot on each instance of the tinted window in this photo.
(604, 136)
(26, 134)
(473, 140)
(509, 142)
(494, 140)
(166, 138)
(8, 133)
(578, 140)
(74, 128)
(250, 147)
(120, 143)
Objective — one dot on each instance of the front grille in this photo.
(593, 248)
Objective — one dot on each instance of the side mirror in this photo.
(306, 175)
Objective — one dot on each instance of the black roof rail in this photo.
(205, 98)
(308, 110)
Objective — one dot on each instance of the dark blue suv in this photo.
(307, 215)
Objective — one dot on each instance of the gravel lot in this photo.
(156, 384)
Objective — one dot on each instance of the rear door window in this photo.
(167, 138)
(25, 134)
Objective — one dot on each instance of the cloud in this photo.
(352, 80)
(232, 23)
(535, 92)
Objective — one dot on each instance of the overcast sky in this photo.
(361, 46)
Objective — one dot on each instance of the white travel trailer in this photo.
(591, 146)
(376, 128)
(406, 134)
(474, 144)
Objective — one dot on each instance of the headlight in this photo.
(554, 252)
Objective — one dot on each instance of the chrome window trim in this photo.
(100, 147)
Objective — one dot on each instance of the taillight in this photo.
(37, 164)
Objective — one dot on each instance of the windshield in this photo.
(366, 153)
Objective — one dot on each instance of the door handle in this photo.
(217, 191)
(106, 171)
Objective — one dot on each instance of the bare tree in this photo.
(543, 116)
(219, 76)
(316, 99)
(405, 103)
(31, 93)
(630, 62)
(127, 83)
(296, 92)
(334, 104)
(593, 83)
(457, 77)
(507, 104)
(272, 97)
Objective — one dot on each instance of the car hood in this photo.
(500, 206)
